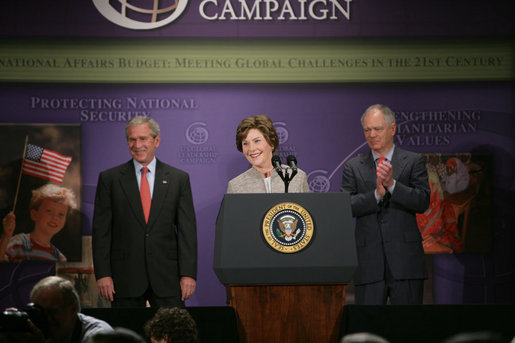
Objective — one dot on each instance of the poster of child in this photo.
(50, 205)
(17, 182)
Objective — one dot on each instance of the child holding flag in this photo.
(49, 208)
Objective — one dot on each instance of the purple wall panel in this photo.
(321, 123)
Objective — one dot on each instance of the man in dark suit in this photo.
(144, 256)
(385, 196)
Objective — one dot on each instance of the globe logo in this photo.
(196, 133)
(282, 133)
(146, 15)
(319, 183)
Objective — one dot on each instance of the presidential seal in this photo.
(288, 228)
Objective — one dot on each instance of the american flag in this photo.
(45, 164)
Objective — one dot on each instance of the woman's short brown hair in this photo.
(263, 124)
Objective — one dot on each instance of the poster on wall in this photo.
(458, 219)
(40, 192)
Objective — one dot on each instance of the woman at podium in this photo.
(257, 139)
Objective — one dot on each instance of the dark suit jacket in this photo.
(388, 229)
(133, 252)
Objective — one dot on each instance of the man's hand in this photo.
(380, 190)
(187, 287)
(385, 173)
(106, 288)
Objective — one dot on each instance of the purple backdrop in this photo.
(318, 123)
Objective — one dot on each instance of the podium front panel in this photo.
(243, 256)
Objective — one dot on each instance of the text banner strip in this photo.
(259, 60)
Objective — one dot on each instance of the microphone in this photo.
(292, 162)
(276, 162)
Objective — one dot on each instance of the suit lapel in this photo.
(129, 184)
(161, 181)
(398, 162)
(368, 168)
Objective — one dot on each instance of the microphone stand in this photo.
(286, 177)
(286, 182)
(292, 163)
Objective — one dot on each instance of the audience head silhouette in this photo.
(172, 325)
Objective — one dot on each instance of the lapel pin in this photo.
(164, 181)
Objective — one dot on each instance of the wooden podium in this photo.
(288, 313)
(285, 297)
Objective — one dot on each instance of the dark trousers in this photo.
(151, 297)
(400, 292)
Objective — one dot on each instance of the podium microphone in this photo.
(276, 162)
(292, 162)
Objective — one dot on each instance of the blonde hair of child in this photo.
(54, 192)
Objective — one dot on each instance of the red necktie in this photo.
(144, 192)
(380, 160)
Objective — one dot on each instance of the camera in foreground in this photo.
(16, 321)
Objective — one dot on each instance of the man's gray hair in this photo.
(140, 120)
(389, 117)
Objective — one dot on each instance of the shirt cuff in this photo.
(391, 189)
(378, 199)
